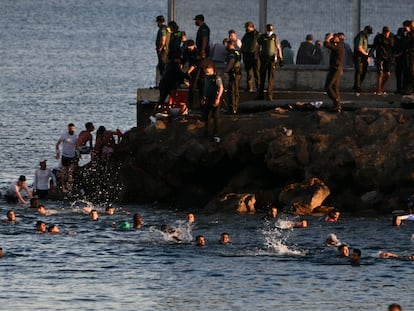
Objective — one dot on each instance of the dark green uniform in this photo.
(250, 61)
(268, 56)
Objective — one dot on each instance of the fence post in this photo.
(262, 15)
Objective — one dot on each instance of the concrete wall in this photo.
(312, 78)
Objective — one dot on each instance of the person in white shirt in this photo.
(41, 183)
(69, 159)
(13, 194)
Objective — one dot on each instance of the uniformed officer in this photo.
(269, 50)
(233, 70)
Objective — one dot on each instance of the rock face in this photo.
(304, 197)
(351, 154)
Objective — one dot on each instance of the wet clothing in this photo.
(211, 113)
(41, 181)
(250, 61)
(336, 60)
(383, 52)
(234, 80)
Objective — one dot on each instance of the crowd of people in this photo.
(69, 150)
(261, 53)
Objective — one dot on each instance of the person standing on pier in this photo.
(336, 60)
(269, 50)
(233, 70)
(203, 36)
(161, 44)
(361, 58)
(250, 58)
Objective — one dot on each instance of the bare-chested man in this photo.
(84, 143)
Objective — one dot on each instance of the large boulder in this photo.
(241, 203)
(304, 197)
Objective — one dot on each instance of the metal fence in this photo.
(292, 19)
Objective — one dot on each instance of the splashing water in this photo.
(275, 240)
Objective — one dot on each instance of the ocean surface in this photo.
(67, 61)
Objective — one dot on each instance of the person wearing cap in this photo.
(191, 57)
(203, 36)
(269, 50)
(161, 43)
(383, 47)
(361, 58)
(44, 180)
(13, 194)
(250, 59)
(177, 37)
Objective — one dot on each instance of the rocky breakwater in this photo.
(359, 161)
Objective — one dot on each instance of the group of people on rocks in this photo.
(260, 54)
(60, 179)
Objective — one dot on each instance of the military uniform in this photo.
(268, 56)
(250, 61)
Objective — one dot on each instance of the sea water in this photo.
(78, 61)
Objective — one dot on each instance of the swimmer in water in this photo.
(332, 240)
(137, 221)
(355, 257)
(93, 215)
(397, 220)
(225, 238)
(200, 240)
(343, 251)
(40, 227)
(171, 232)
(272, 213)
(53, 229)
(394, 307)
(42, 210)
(190, 218)
(333, 217)
(110, 210)
(11, 217)
(389, 255)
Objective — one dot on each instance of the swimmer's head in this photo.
(396, 221)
